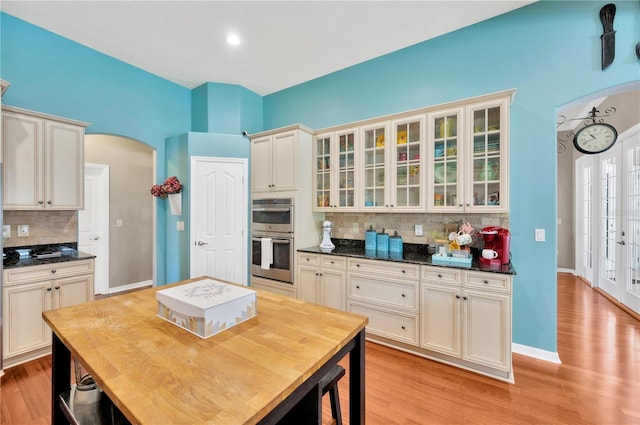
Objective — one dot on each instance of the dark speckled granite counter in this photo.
(69, 253)
(412, 253)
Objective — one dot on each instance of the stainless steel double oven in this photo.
(272, 229)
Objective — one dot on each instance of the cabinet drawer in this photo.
(400, 327)
(48, 271)
(491, 281)
(403, 271)
(442, 275)
(309, 259)
(394, 294)
(333, 261)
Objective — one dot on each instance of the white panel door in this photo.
(219, 214)
(93, 222)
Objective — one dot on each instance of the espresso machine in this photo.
(497, 239)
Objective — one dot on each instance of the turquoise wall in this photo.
(548, 51)
(225, 109)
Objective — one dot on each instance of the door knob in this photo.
(200, 243)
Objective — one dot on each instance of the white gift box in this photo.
(206, 307)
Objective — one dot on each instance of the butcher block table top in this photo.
(158, 373)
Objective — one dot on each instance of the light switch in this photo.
(540, 237)
(180, 226)
(355, 226)
(6, 231)
(119, 222)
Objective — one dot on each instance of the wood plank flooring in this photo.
(597, 383)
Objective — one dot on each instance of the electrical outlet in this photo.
(23, 230)
(355, 227)
(418, 230)
(6, 231)
(180, 226)
(119, 222)
(539, 235)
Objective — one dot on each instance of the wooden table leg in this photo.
(356, 381)
(60, 378)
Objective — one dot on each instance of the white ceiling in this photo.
(284, 43)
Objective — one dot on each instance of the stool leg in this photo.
(335, 404)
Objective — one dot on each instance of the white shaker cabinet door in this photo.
(22, 137)
(64, 182)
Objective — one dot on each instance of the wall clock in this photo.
(595, 138)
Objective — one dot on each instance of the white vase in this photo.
(175, 203)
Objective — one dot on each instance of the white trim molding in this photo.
(525, 350)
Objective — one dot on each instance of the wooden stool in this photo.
(330, 383)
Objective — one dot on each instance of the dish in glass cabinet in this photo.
(439, 173)
(380, 141)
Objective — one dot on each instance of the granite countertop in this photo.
(68, 251)
(412, 253)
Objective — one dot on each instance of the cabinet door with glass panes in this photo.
(488, 157)
(446, 151)
(374, 183)
(406, 149)
(334, 171)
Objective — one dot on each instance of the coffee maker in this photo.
(499, 240)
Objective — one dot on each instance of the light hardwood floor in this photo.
(597, 383)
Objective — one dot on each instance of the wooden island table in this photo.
(265, 370)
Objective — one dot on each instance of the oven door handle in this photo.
(271, 209)
(273, 240)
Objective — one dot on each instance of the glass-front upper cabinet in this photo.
(468, 159)
(487, 184)
(407, 159)
(446, 153)
(374, 167)
(334, 174)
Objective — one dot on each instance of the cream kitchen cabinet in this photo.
(280, 159)
(321, 279)
(334, 171)
(43, 161)
(27, 292)
(392, 165)
(467, 315)
(387, 293)
(469, 158)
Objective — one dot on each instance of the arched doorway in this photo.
(131, 209)
(599, 195)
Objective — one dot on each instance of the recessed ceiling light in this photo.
(233, 39)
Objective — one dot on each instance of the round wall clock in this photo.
(595, 138)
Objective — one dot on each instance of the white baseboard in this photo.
(130, 286)
(525, 350)
(570, 271)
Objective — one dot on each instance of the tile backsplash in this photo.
(45, 227)
(435, 226)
